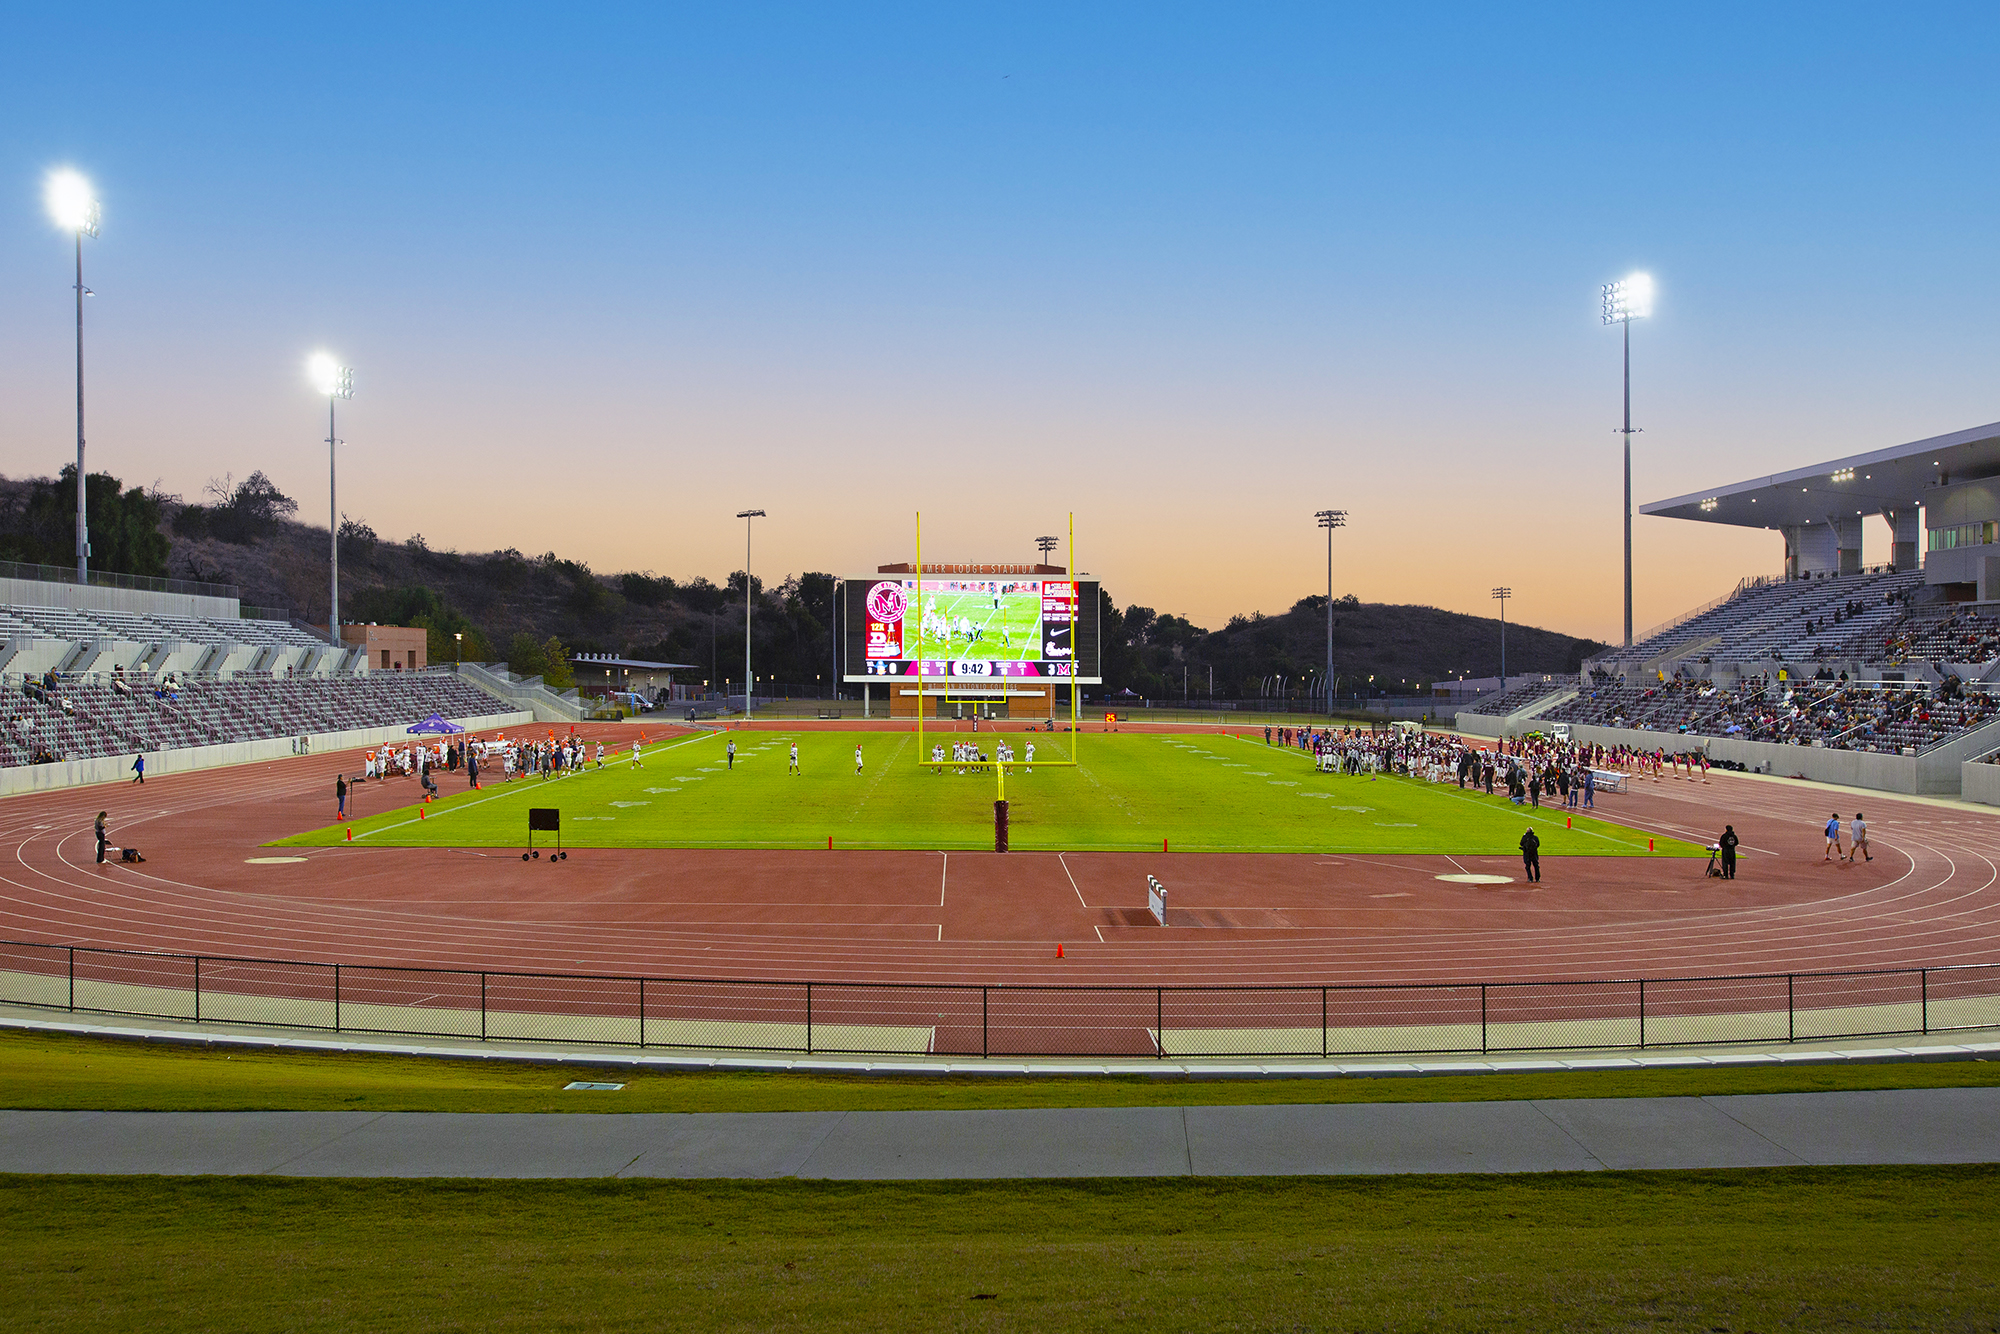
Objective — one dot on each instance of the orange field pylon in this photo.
(350, 833)
(829, 842)
(420, 812)
(1059, 952)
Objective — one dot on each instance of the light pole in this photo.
(1503, 594)
(457, 647)
(748, 680)
(1624, 301)
(336, 381)
(70, 203)
(1047, 545)
(1330, 520)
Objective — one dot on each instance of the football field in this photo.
(974, 628)
(1192, 792)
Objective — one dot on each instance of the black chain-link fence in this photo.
(958, 1019)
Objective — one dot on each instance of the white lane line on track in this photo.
(1072, 879)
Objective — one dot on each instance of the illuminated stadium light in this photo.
(1844, 475)
(1708, 504)
(73, 206)
(71, 203)
(1503, 594)
(1626, 300)
(327, 376)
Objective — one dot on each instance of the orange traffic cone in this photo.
(1059, 952)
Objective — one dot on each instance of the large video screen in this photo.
(995, 628)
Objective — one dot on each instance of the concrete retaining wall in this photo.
(117, 768)
(89, 597)
(1980, 782)
(1936, 773)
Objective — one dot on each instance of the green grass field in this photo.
(1818, 1249)
(1198, 793)
(60, 1071)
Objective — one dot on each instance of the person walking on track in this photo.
(340, 796)
(1728, 843)
(1531, 855)
(1833, 851)
(139, 770)
(1857, 839)
(103, 834)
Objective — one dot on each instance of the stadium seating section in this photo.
(1839, 715)
(68, 623)
(103, 715)
(1796, 621)
(1520, 696)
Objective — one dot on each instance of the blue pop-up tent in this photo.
(437, 724)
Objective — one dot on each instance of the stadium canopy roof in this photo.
(1886, 479)
(636, 664)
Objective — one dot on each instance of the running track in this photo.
(1930, 897)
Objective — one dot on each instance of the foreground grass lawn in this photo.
(1207, 792)
(1791, 1249)
(54, 1071)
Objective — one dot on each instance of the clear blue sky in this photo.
(608, 276)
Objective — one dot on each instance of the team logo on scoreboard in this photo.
(887, 602)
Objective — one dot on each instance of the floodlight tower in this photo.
(336, 381)
(1503, 594)
(1330, 520)
(74, 209)
(749, 681)
(1624, 301)
(1047, 545)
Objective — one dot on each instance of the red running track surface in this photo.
(1929, 897)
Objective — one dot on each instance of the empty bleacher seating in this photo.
(103, 714)
(1520, 696)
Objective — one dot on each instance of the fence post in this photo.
(642, 1012)
(1791, 1011)
(336, 998)
(1482, 1018)
(72, 979)
(1322, 1023)
(197, 988)
(982, 1022)
(1642, 1014)
(482, 1007)
(809, 1018)
(1160, 1022)
(1924, 980)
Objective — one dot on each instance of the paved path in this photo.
(1773, 1130)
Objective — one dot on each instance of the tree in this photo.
(124, 526)
(527, 657)
(246, 512)
(556, 673)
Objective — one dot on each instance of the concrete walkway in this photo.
(1776, 1130)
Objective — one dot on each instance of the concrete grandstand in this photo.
(1884, 676)
(93, 675)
